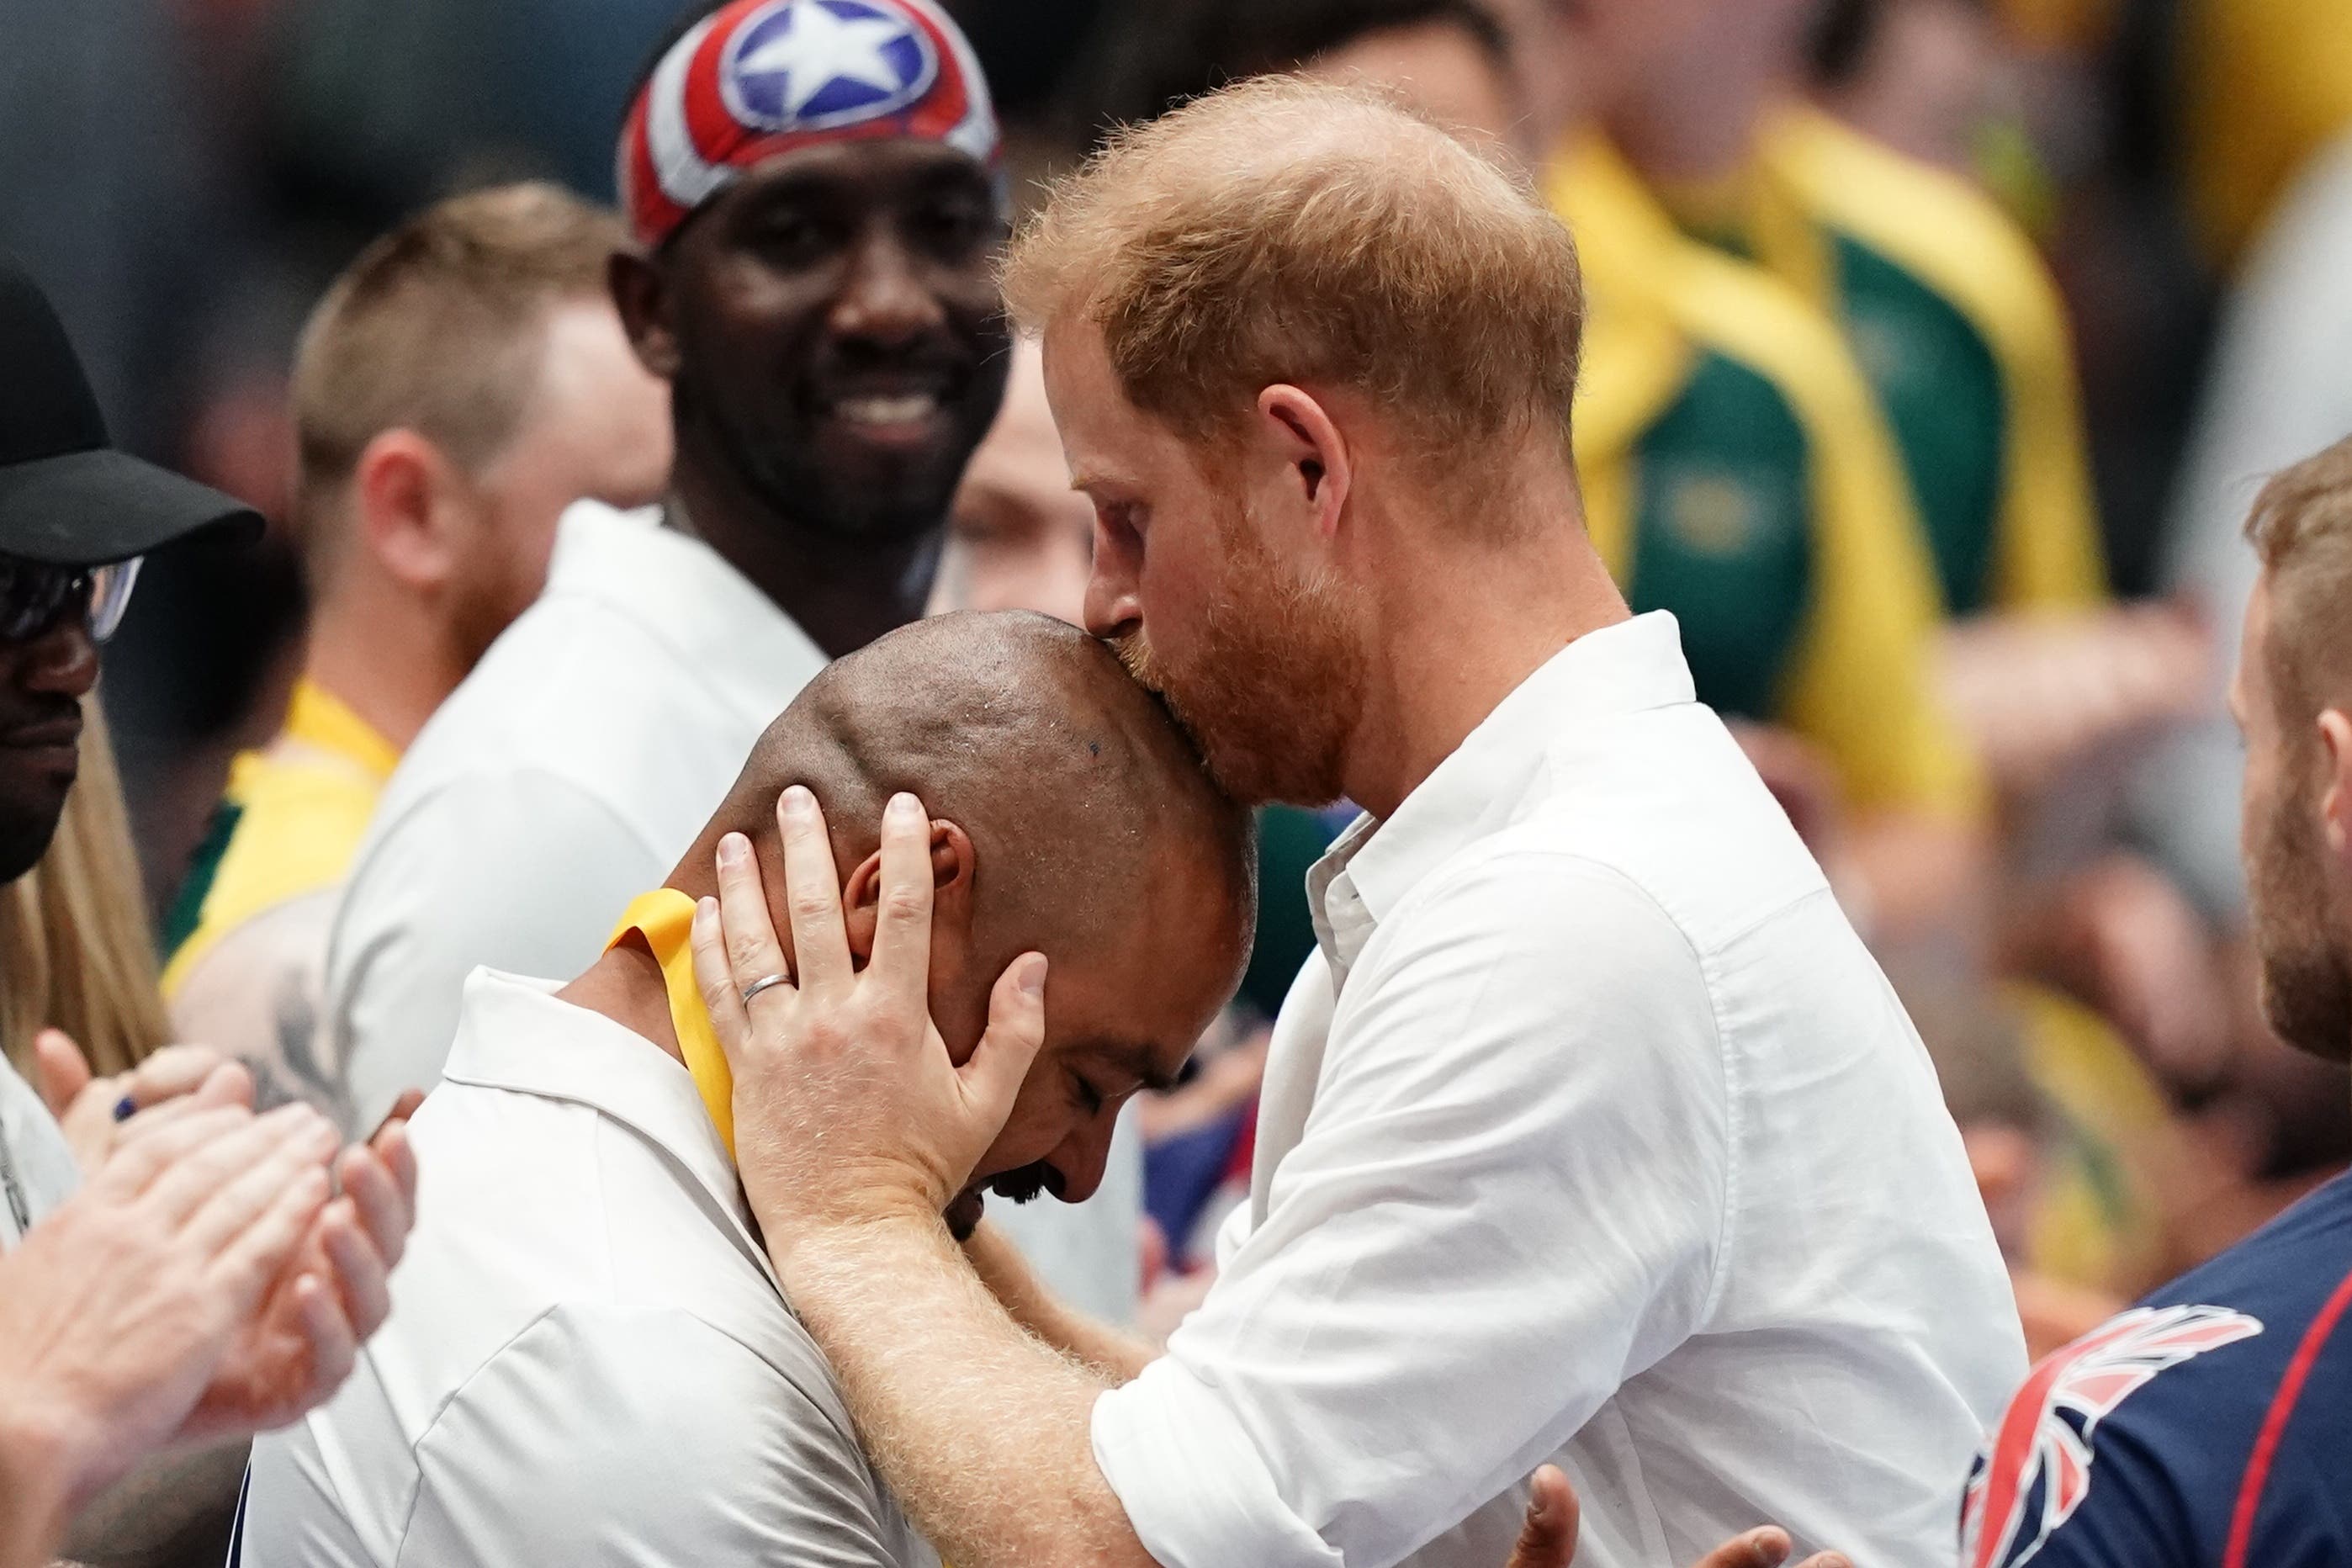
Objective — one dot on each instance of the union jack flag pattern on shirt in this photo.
(2209, 1427)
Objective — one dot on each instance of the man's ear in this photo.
(641, 294)
(1307, 462)
(2335, 800)
(952, 865)
(405, 501)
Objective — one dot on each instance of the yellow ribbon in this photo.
(665, 918)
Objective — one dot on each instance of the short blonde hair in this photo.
(2302, 525)
(1289, 230)
(438, 327)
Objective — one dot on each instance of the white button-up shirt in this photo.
(1592, 1132)
(562, 778)
(588, 1361)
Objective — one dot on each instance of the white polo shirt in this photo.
(562, 778)
(587, 1361)
(1591, 1132)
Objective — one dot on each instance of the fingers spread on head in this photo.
(752, 950)
(1016, 1028)
(811, 896)
(902, 922)
(714, 978)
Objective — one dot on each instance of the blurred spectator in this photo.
(1020, 538)
(77, 517)
(2269, 83)
(464, 382)
(1737, 471)
(1951, 314)
(823, 305)
(1923, 77)
(75, 946)
(2207, 1425)
(2277, 390)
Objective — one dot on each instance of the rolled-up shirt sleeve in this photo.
(1509, 1198)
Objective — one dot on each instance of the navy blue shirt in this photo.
(2210, 1426)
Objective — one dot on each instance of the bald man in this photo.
(588, 1359)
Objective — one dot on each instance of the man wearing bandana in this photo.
(815, 194)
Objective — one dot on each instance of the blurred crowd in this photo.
(1935, 351)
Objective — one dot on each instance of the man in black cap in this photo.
(76, 517)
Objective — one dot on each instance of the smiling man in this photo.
(815, 194)
(1590, 1131)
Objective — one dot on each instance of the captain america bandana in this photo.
(761, 77)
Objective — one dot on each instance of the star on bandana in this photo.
(821, 49)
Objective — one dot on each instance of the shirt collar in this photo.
(318, 717)
(1630, 668)
(503, 1041)
(737, 641)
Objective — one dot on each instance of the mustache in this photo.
(1028, 1183)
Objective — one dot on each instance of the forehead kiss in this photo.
(1063, 813)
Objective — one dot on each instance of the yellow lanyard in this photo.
(665, 918)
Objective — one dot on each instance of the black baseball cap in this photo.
(69, 497)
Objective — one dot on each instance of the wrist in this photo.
(43, 1474)
(877, 1223)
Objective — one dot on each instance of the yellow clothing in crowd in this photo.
(1738, 472)
(2267, 84)
(246, 937)
(1959, 330)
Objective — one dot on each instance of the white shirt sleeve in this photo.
(707, 1455)
(523, 872)
(1509, 1199)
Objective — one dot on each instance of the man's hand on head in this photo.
(847, 1106)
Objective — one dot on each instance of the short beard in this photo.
(2307, 980)
(1274, 683)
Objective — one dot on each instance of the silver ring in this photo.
(764, 983)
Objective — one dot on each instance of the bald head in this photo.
(1081, 797)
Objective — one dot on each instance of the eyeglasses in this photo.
(34, 596)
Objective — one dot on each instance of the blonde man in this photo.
(1591, 1130)
(463, 382)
